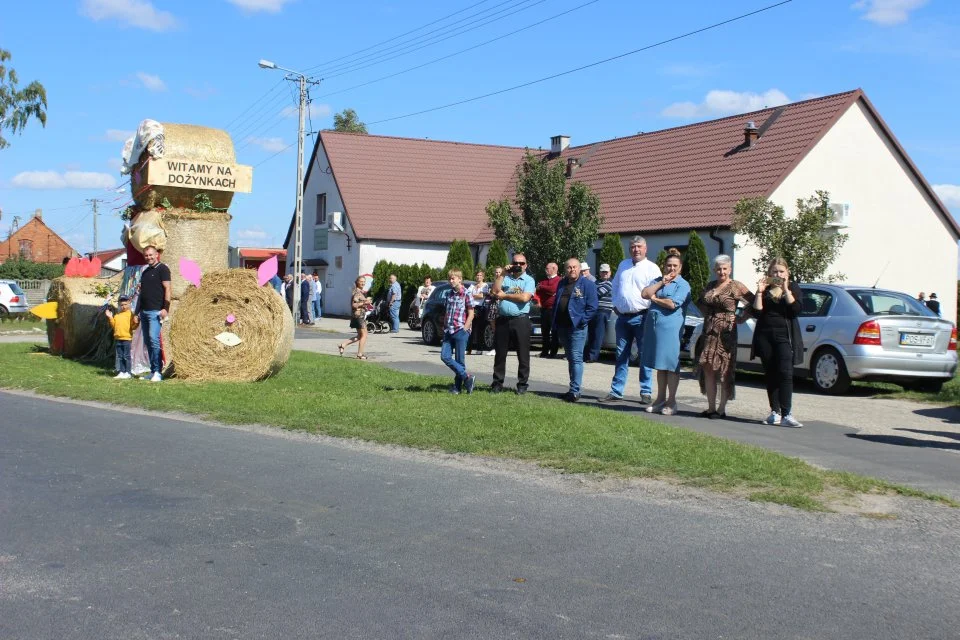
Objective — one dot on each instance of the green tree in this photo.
(696, 265)
(348, 121)
(549, 220)
(805, 241)
(459, 257)
(611, 252)
(17, 106)
(661, 258)
(496, 257)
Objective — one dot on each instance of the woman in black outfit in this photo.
(777, 340)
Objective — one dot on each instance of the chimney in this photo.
(750, 134)
(559, 143)
(38, 213)
(572, 165)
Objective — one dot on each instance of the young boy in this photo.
(123, 323)
(457, 325)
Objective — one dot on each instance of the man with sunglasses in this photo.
(513, 289)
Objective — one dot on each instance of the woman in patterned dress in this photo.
(718, 359)
(358, 309)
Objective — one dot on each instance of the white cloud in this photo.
(948, 193)
(66, 180)
(317, 110)
(722, 103)
(129, 13)
(151, 82)
(254, 6)
(253, 237)
(268, 144)
(118, 135)
(253, 233)
(887, 12)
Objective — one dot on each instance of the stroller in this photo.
(377, 318)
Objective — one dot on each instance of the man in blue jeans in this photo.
(633, 274)
(394, 294)
(457, 325)
(153, 305)
(574, 307)
(598, 326)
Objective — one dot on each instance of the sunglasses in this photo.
(519, 264)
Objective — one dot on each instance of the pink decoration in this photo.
(190, 271)
(231, 318)
(267, 270)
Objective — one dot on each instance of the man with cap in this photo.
(598, 325)
(585, 270)
(933, 304)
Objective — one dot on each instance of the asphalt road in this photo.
(124, 525)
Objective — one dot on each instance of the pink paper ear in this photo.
(266, 271)
(190, 271)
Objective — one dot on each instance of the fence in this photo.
(35, 290)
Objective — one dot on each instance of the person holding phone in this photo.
(777, 340)
(513, 289)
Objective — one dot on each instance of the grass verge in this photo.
(348, 398)
(22, 324)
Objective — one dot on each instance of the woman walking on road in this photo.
(358, 306)
(777, 339)
(717, 360)
(669, 296)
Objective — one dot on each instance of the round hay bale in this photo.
(201, 237)
(77, 309)
(263, 324)
(186, 142)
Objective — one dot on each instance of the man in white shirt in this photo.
(633, 274)
(315, 296)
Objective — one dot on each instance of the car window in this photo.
(889, 303)
(17, 291)
(815, 303)
(440, 293)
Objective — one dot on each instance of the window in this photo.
(815, 303)
(26, 249)
(888, 303)
(320, 239)
(322, 209)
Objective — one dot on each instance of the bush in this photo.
(611, 253)
(459, 257)
(19, 269)
(496, 257)
(410, 277)
(696, 266)
(661, 258)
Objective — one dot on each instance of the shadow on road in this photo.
(904, 441)
(950, 415)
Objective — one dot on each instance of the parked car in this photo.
(431, 322)
(13, 301)
(692, 327)
(863, 333)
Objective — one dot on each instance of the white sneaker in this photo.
(790, 421)
(126, 376)
(773, 418)
(120, 376)
(156, 378)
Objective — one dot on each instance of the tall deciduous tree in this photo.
(696, 265)
(348, 121)
(17, 106)
(611, 252)
(496, 257)
(549, 220)
(805, 241)
(459, 257)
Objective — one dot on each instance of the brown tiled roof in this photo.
(109, 254)
(417, 190)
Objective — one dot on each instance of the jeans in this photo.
(630, 328)
(573, 341)
(598, 330)
(518, 328)
(316, 308)
(123, 356)
(452, 353)
(150, 324)
(395, 317)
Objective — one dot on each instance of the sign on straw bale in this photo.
(201, 237)
(77, 310)
(260, 319)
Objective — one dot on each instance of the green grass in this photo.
(346, 398)
(25, 323)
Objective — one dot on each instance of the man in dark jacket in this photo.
(304, 299)
(288, 290)
(574, 307)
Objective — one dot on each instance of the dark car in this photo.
(431, 328)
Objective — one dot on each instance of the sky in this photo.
(108, 64)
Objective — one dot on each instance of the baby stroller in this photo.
(378, 316)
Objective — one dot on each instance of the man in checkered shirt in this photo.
(457, 326)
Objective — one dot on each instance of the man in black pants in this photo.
(513, 289)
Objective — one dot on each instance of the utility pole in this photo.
(95, 202)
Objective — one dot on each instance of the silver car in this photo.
(692, 328)
(863, 333)
(13, 301)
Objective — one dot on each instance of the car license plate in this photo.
(536, 331)
(917, 339)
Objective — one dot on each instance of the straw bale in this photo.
(263, 323)
(201, 237)
(77, 310)
(187, 142)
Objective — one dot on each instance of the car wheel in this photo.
(4, 312)
(829, 372)
(429, 333)
(489, 344)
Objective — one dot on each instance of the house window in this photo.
(320, 239)
(26, 249)
(322, 209)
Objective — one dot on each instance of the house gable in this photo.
(45, 245)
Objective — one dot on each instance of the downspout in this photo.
(719, 240)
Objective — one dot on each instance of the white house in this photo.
(369, 198)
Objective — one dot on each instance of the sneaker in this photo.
(521, 390)
(789, 421)
(773, 418)
(496, 389)
(454, 390)
(469, 383)
(127, 376)
(120, 376)
(156, 378)
(610, 399)
(646, 398)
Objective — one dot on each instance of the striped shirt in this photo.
(605, 295)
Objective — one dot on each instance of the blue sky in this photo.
(107, 64)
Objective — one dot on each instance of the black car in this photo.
(431, 328)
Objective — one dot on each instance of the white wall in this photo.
(658, 241)
(894, 226)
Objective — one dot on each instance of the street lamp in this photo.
(302, 81)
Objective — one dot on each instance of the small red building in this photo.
(37, 242)
(253, 257)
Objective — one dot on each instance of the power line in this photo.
(586, 66)
(274, 155)
(456, 53)
(255, 102)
